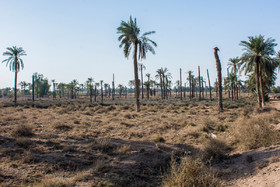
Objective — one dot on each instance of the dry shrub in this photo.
(102, 144)
(61, 126)
(123, 149)
(56, 181)
(194, 133)
(255, 133)
(190, 172)
(159, 139)
(215, 149)
(208, 124)
(29, 157)
(23, 142)
(22, 130)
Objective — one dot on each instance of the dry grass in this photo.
(254, 133)
(190, 172)
(81, 144)
(215, 150)
(22, 130)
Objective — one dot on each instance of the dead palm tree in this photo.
(130, 37)
(219, 75)
(15, 63)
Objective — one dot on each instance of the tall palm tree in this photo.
(15, 63)
(257, 52)
(130, 37)
(219, 75)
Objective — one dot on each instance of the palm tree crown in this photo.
(14, 61)
(129, 35)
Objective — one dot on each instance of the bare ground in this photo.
(111, 145)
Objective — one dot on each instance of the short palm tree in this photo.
(15, 63)
(234, 65)
(130, 37)
(257, 52)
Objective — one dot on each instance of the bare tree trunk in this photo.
(136, 78)
(190, 82)
(95, 93)
(199, 88)
(102, 92)
(202, 87)
(181, 96)
(219, 75)
(33, 94)
(113, 89)
(209, 85)
(90, 94)
(185, 87)
(166, 87)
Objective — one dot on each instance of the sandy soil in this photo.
(259, 167)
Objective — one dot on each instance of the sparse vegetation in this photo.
(190, 172)
(82, 144)
(22, 130)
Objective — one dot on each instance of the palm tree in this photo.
(190, 82)
(148, 75)
(101, 83)
(54, 92)
(219, 75)
(23, 86)
(257, 51)
(129, 37)
(15, 63)
(90, 87)
(141, 68)
(159, 76)
(233, 64)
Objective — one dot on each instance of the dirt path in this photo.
(259, 167)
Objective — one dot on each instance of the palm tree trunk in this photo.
(90, 94)
(262, 87)
(33, 88)
(136, 78)
(161, 86)
(258, 82)
(199, 88)
(15, 89)
(166, 87)
(95, 93)
(181, 96)
(113, 88)
(209, 85)
(142, 84)
(219, 75)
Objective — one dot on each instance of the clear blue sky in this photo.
(77, 39)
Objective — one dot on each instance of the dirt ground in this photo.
(262, 170)
(78, 144)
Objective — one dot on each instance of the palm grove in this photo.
(258, 62)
